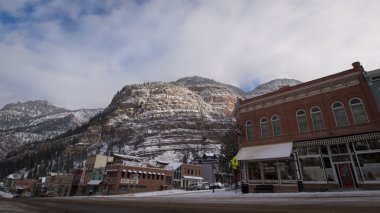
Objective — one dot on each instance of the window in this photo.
(264, 128)
(316, 116)
(339, 114)
(358, 111)
(276, 125)
(302, 121)
(249, 129)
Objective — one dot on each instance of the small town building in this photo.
(185, 174)
(316, 136)
(129, 174)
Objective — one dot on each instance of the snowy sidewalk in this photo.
(237, 193)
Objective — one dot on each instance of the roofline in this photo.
(357, 69)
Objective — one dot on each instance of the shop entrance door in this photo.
(345, 175)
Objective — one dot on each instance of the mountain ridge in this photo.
(155, 120)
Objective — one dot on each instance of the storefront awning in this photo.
(94, 182)
(272, 151)
(192, 177)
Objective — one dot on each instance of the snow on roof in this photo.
(173, 165)
(127, 157)
(14, 176)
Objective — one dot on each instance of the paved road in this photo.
(189, 204)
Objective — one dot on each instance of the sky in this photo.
(78, 54)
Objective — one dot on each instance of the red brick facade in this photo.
(120, 179)
(322, 93)
(327, 132)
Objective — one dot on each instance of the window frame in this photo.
(279, 124)
(344, 110)
(266, 123)
(363, 108)
(248, 124)
(312, 118)
(298, 121)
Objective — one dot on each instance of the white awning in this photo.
(124, 170)
(272, 151)
(140, 172)
(150, 173)
(192, 177)
(129, 170)
(145, 172)
(94, 182)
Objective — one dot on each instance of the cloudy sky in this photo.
(78, 54)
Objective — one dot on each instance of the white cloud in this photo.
(78, 54)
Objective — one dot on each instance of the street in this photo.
(195, 202)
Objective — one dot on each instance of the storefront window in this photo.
(370, 165)
(328, 169)
(361, 145)
(312, 169)
(254, 171)
(287, 169)
(270, 170)
(375, 144)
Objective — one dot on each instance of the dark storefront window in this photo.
(254, 171)
(312, 169)
(370, 165)
(328, 169)
(270, 170)
(287, 169)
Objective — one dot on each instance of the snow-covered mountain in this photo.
(22, 123)
(159, 120)
(272, 85)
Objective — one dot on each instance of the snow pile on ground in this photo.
(5, 194)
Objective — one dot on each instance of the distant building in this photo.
(128, 174)
(185, 174)
(373, 78)
(319, 135)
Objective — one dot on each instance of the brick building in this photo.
(127, 174)
(320, 135)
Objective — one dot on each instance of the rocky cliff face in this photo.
(22, 123)
(165, 121)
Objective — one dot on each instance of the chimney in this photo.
(357, 66)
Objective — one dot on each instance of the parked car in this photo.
(203, 186)
(192, 186)
(216, 185)
(16, 196)
(50, 194)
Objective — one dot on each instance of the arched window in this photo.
(302, 121)
(249, 130)
(276, 125)
(264, 128)
(339, 114)
(358, 111)
(316, 116)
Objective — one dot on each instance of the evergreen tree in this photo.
(228, 149)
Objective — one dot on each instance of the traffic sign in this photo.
(234, 162)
